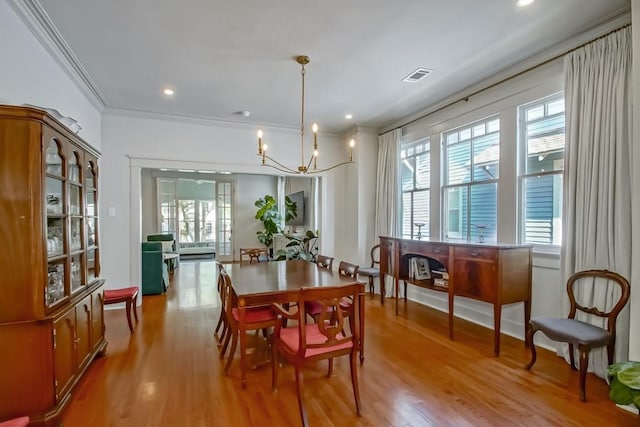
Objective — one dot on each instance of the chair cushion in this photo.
(369, 271)
(255, 315)
(16, 422)
(290, 337)
(119, 294)
(571, 331)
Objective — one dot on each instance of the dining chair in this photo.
(324, 340)
(222, 323)
(314, 309)
(325, 262)
(257, 318)
(579, 333)
(345, 269)
(373, 271)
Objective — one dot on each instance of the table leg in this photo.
(451, 315)
(361, 315)
(497, 314)
(397, 286)
(527, 318)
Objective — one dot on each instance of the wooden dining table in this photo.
(264, 283)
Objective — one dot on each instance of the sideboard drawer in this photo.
(475, 253)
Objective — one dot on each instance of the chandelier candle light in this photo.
(302, 169)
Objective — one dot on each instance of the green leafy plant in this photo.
(299, 247)
(270, 217)
(624, 378)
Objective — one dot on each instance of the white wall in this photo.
(133, 142)
(29, 75)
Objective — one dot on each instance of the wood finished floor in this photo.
(168, 374)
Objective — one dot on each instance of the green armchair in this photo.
(155, 274)
(169, 246)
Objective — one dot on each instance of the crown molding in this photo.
(205, 121)
(36, 19)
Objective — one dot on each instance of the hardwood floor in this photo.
(168, 374)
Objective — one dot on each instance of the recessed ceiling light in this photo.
(168, 91)
(348, 116)
(523, 3)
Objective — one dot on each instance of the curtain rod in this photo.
(519, 73)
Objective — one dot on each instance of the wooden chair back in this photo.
(375, 256)
(325, 262)
(598, 278)
(347, 269)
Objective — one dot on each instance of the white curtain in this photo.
(387, 222)
(597, 192)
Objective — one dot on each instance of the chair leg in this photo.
(330, 372)
(300, 391)
(610, 349)
(134, 306)
(354, 380)
(219, 324)
(234, 344)
(572, 357)
(371, 285)
(227, 337)
(584, 364)
(128, 308)
(530, 344)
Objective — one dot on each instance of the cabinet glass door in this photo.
(55, 289)
(91, 220)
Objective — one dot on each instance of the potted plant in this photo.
(624, 378)
(299, 247)
(271, 219)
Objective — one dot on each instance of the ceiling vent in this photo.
(417, 75)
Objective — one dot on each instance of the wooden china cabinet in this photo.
(51, 294)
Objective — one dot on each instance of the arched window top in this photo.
(54, 158)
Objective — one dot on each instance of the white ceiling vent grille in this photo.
(417, 75)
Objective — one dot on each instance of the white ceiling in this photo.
(222, 57)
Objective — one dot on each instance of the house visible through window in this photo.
(415, 158)
(471, 156)
(542, 131)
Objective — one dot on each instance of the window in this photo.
(542, 165)
(168, 209)
(415, 159)
(471, 156)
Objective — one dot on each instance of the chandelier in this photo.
(303, 168)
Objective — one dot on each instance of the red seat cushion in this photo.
(16, 422)
(112, 294)
(291, 338)
(255, 315)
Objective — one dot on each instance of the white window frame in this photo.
(523, 176)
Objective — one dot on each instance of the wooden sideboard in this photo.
(495, 273)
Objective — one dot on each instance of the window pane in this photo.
(555, 107)
(486, 154)
(535, 112)
(458, 162)
(544, 139)
(478, 130)
(455, 213)
(493, 126)
(406, 170)
(465, 134)
(484, 212)
(543, 210)
(421, 213)
(423, 171)
(406, 215)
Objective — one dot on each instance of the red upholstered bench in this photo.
(16, 422)
(126, 295)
